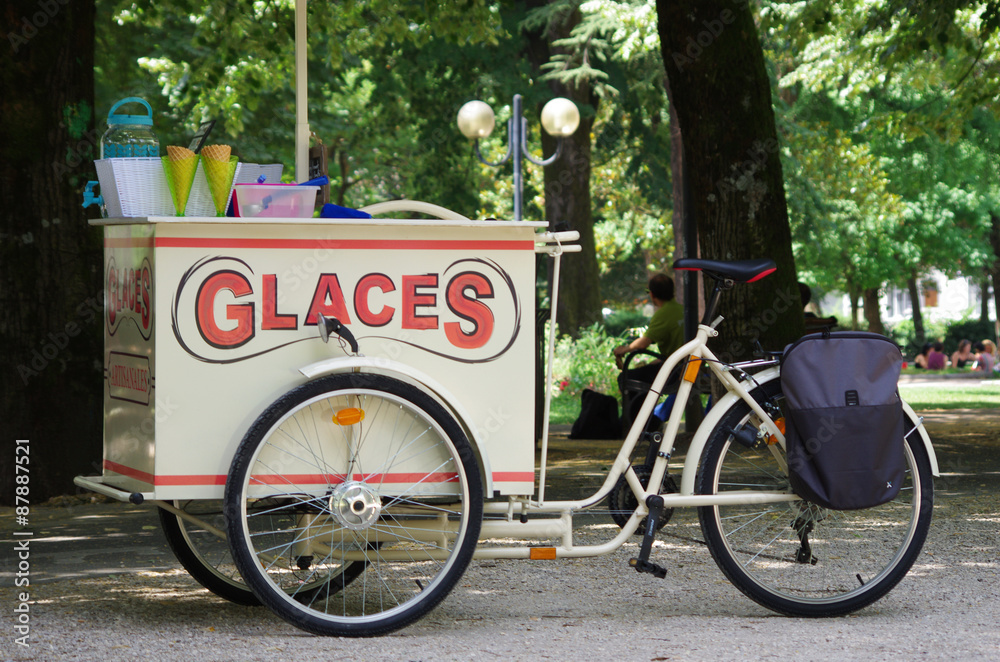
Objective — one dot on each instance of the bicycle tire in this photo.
(364, 478)
(205, 556)
(846, 560)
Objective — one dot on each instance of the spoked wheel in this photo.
(353, 504)
(796, 557)
(202, 552)
(622, 502)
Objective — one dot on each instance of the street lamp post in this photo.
(560, 118)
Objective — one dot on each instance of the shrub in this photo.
(620, 322)
(586, 362)
(950, 333)
(968, 329)
(902, 334)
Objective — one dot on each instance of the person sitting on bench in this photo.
(665, 330)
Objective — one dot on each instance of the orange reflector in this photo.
(691, 372)
(542, 553)
(780, 424)
(349, 416)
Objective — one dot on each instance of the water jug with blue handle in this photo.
(129, 135)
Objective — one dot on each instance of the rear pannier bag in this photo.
(844, 429)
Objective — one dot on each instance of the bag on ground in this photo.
(844, 429)
(598, 417)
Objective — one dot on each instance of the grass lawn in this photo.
(983, 395)
(951, 394)
(564, 409)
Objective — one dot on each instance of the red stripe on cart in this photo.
(514, 476)
(128, 471)
(128, 242)
(311, 479)
(332, 479)
(347, 244)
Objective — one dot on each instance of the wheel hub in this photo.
(355, 505)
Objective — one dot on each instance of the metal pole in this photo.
(517, 139)
(301, 94)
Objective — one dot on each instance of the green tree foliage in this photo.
(907, 83)
(845, 219)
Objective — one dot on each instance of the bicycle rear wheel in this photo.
(353, 504)
(796, 557)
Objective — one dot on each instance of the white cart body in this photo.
(208, 321)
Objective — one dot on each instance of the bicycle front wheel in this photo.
(796, 557)
(354, 504)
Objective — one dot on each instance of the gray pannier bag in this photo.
(844, 429)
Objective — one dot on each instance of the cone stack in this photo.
(220, 167)
(179, 165)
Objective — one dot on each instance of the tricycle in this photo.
(335, 417)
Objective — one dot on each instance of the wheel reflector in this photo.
(349, 416)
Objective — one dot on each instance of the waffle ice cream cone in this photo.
(220, 168)
(179, 165)
(175, 153)
(216, 152)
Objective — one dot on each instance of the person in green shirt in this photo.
(665, 330)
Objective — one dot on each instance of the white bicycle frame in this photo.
(511, 519)
(696, 354)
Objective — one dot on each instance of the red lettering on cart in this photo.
(462, 308)
(414, 297)
(368, 283)
(470, 309)
(329, 300)
(242, 313)
(129, 377)
(129, 296)
(271, 318)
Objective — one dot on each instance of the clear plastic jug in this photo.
(129, 135)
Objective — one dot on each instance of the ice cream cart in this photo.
(214, 325)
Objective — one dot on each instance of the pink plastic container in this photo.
(275, 200)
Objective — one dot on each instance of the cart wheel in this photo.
(202, 553)
(353, 505)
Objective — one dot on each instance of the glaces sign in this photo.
(129, 297)
(224, 310)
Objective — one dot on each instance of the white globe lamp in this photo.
(476, 120)
(560, 117)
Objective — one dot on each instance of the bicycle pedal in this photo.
(647, 567)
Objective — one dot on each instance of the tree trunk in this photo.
(984, 298)
(51, 278)
(688, 291)
(873, 311)
(919, 334)
(567, 183)
(995, 269)
(852, 292)
(722, 95)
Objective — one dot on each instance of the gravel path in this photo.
(104, 587)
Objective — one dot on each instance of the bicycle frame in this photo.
(695, 353)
